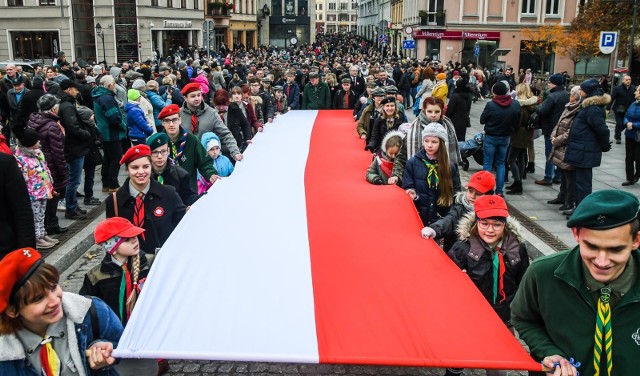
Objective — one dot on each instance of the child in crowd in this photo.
(138, 129)
(119, 278)
(380, 169)
(39, 183)
(493, 256)
(429, 178)
(279, 100)
(44, 331)
(481, 183)
(222, 164)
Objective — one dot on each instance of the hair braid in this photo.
(131, 301)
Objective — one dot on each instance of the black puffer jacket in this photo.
(52, 145)
(238, 125)
(589, 134)
(472, 254)
(551, 109)
(78, 139)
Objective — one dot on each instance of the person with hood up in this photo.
(119, 88)
(589, 137)
(491, 252)
(500, 117)
(47, 124)
(380, 169)
(201, 79)
(137, 127)
(430, 179)
(481, 183)
(221, 163)
(441, 90)
(521, 138)
(432, 112)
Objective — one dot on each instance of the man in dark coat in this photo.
(345, 98)
(16, 217)
(357, 82)
(589, 137)
(549, 113)
(621, 99)
(292, 91)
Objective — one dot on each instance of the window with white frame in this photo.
(332, 6)
(528, 6)
(553, 7)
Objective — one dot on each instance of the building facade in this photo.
(341, 16)
(284, 23)
(234, 23)
(129, 29)
(321, 15)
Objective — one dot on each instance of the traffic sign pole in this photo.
(615, 58)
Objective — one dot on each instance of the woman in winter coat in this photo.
(559, 139)
(234, 119)
(47, 124)
(521, 138)
(490, 251)
(389, 120)
(589, 136)
(459, 107)
(157, 101)
(631, 142)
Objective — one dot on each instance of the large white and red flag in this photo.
(296, 258)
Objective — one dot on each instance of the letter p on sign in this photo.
(608, 41)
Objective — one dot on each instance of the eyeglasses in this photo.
(497, 226)
(173, 121)
(158, 153)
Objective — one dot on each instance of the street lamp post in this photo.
(100, 33)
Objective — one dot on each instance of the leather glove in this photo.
(428, 232)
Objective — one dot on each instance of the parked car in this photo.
(27, 66)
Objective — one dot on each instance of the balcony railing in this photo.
(218, 12)
(433, 19)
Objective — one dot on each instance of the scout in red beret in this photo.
(110, 233)
(135, 152)
(31, 302)
(192, 86)
(169, 110)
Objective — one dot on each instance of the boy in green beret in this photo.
(583, 305)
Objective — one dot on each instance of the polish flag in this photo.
(296, 258)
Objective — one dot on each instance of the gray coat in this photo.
(209, 121)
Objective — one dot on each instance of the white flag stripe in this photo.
(240, 255)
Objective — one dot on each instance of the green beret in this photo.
(605, 209)
(158, 139)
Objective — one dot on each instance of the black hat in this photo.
(591, 87)
(28, 137)
(47, 102)
(66, 84)
(17, 80)
(557, 79)
(388, 99)
(500, 88)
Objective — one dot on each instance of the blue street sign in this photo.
(476, 51)
(607, 41)
(408, 44)
(383, 38)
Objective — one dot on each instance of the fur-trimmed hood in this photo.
(597, 100)
(388, 136)
(75, 308)
(510, 242)
(468, 220)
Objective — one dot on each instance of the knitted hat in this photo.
(557, 79)
(133, 94)
(139, 84)
(590, 86)
(441, 76)
(605, 209)
(28, 137)
(135, 152)
(15, 270)
(499, 88)
(435, 129)
(490, 206)
(90, 80)
(212, 143)
(47, 102)
(97, 69)
(111, 232)
(482, 181)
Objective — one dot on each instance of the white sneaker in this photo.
(62, 206)
(50, 239)
(43, 244)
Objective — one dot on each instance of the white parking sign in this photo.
(608, 40)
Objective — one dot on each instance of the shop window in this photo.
(183, 4)
(154, 3)
(528, 6)
(15, 3)
(35, 45)
(552, 7)
(47, 2)
(84, 32)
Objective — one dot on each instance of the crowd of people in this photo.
(178, 126)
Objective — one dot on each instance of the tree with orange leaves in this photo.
(543, 40)
(579, 44)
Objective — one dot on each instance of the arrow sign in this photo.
(608, 40)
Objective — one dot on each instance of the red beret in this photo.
(116, 226)
(490, 206)
(135, 152)
(15, 269)
(192, 86)
(169, 110)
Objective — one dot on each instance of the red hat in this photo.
(192, 86)
(15, 269)
(169, 110)
(482, 181)
(112, 227)
(490, 206)
(135, 152)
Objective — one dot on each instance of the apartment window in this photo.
(154, 3)
(47, 2)
(332, 6)
(320, 6)
(15, 3)
(354, 5)
(195, 4)
(552, 7)
(169, 3)
(528, 6)
(344, 6)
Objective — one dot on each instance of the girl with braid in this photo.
(119, 278)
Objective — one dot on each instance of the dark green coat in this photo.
(316, 98)
(554, 313)
(194, 159)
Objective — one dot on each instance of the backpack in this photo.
(534, 121)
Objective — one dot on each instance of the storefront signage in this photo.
(456, 35)
(177, 24)
(288, 20)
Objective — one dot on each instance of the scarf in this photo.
(386, 166)
(433, 180)
(498, 275)
(175, 151)
(126, 288)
